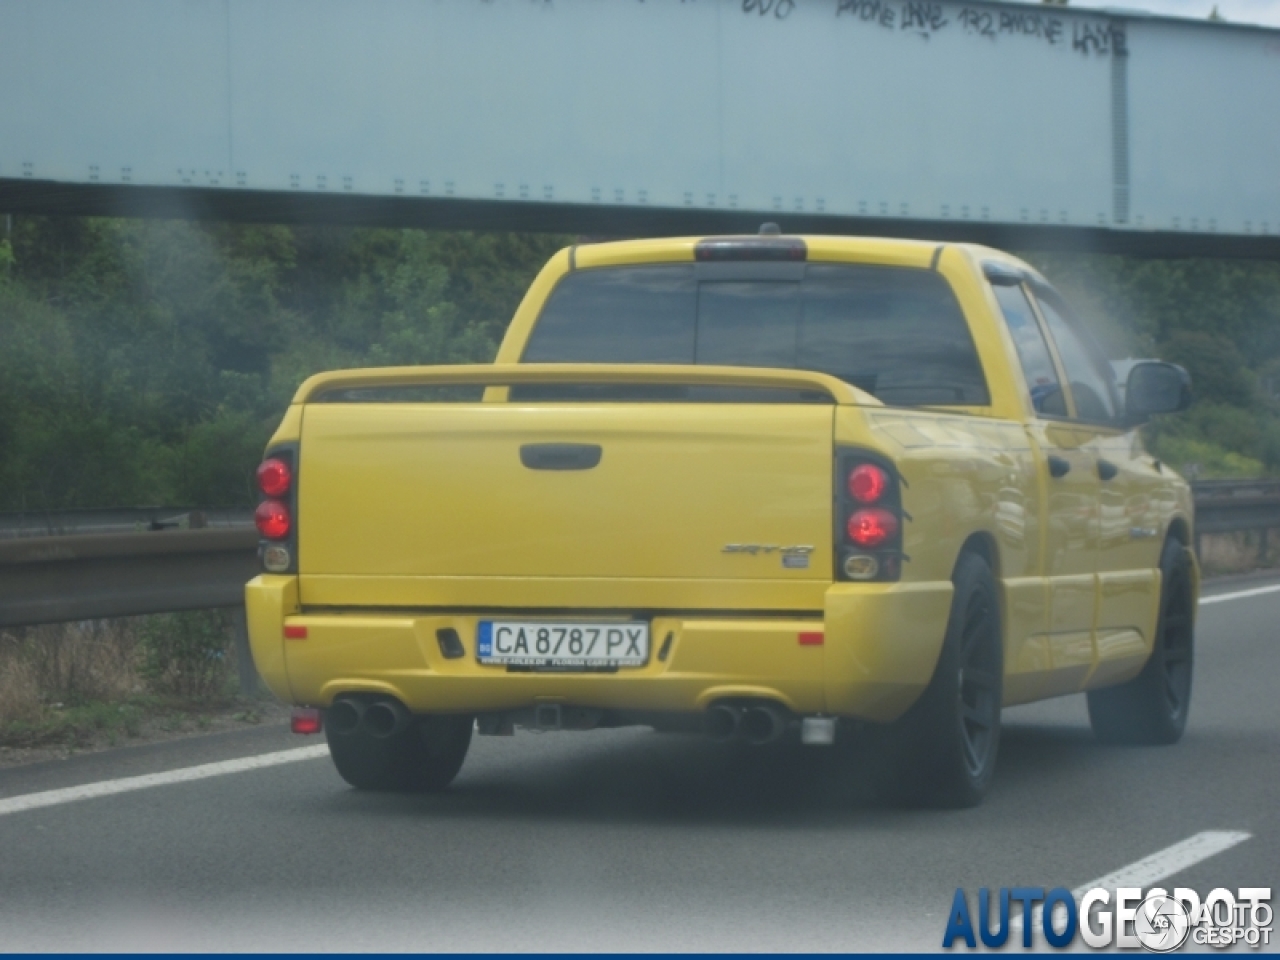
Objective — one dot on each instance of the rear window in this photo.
(896, 333)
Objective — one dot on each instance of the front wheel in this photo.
(424, 757)
(946, 743)
(1152, 707)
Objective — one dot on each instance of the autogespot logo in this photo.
(1125, 918)
(1162, 923)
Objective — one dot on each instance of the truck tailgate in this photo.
(417, 492)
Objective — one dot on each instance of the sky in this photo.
(1263, 12)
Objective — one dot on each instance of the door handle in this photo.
(560, 456)
(1058, 466)
(1107, 470)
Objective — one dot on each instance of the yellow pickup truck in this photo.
(755, 486)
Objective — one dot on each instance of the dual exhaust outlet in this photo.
(757, 723)
(377, 718)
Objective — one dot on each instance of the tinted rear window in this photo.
(896, 333)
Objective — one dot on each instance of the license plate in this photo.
(552, 644)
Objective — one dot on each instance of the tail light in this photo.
(767, 248)
(869, 518)
(274, 477)
(273, 520)
(872, 528)
(275, 517)
(867, 482)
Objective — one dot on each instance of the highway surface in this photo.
(629, 840)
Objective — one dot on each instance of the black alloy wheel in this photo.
(945, 746)
(1176, 638)
(979, 685)
(1152, 708)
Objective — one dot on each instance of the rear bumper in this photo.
(881, 643)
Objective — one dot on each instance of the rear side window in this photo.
(1033, 351)
(1089, 385)
(896, 333)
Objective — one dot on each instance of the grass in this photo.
(114, 722)
(78, 725)
(85, 684)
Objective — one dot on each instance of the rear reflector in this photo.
(292, 632)
(305, 720)
(811, 638)
(751, 248)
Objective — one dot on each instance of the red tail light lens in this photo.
(272, 519)
(867, 483)
(871, 528)
(274, 477)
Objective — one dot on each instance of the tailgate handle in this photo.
(560, 456)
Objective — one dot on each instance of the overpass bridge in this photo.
(1014, 124)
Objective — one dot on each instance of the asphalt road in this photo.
(630, 840)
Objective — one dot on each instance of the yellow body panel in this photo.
(613, 521)
(416, 517)
(853, 672)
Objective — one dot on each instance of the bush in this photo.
(187, 654)
(19, 690)
(73, 663)
(1200, 459)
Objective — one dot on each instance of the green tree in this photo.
(149, 361)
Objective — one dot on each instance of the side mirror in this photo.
(1155, 387)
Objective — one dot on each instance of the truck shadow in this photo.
(649, 778)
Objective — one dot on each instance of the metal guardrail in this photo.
(53, 523)
(86, 576)
(101, 572)
(1230, 506)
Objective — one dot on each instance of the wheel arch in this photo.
(984, 545)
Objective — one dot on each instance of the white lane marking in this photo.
(1255, 592)
(1170, 860)
(1142, 873)
(105, 788)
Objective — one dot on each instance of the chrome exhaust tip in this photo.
(763, 724)
(385, 718)
(345, 716)
(721, 723)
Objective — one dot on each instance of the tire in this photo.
(422, 758)
(1152, 707)
(946, 744)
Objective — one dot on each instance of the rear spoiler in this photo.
(511, 374)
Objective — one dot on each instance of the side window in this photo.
(1033, 352)
(1091, 389)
